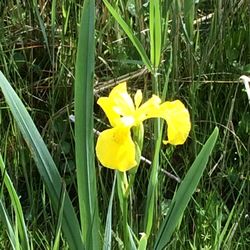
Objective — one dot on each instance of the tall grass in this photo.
(193, 51)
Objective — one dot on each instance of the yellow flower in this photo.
(115, 148)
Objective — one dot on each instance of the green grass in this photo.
(201, 61)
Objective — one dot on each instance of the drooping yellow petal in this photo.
(178, 121)
(115, 149)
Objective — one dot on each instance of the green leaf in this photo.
(130, 34)
(155, 32)
(84, 138)
(22, 229)
(10, 230)
(45, 164)
(56, 245)
(42, 27)
(189, 18)
(184, 193)
(108, 227)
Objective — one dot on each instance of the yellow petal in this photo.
(117, 105)
(115, 149)
(151, 104)
(108, 107)
(147, 110)
(123, 102)
(178, 121)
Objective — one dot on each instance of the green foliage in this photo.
(84, 139)
(22, 229)
(185, 192)
(45, 165)
(136, 43)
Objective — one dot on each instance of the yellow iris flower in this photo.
(115, 148)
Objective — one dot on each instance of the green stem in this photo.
(125, 209)
(125, 222)
(125, 185)
(153, 182)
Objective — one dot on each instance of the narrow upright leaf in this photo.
(22, 229)
(184, 193)
(189, 18)
(155, 32)
(84, 138)
(9, 227)
(108, 228)
(45, 164)
(130, 34)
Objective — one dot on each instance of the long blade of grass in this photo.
(6, 221)
(56, 245)
(53, 29)
(137, 44)
(132, 245)
(189, 18)
(185, 192)
(155, 32)
(45, 164)
(108, 227)
(42, 26)
(84, 138)
(22, 229)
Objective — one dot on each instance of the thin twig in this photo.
(101, 86)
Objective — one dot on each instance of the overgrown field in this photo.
(197, 54)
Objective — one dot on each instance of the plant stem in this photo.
(125, 209)
(153, 182)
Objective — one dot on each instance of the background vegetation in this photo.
(206, 48)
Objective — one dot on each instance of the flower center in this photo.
(120, 135)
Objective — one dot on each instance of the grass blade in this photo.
(185, 192)
(84, 138)
(6, 221)
(155, 32)
(130, 34)
(56, 245)
(108, 227)
(45, 164)
(189, 18)
(22, 229)
(42, 26)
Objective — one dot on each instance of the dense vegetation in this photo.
(205, 49)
